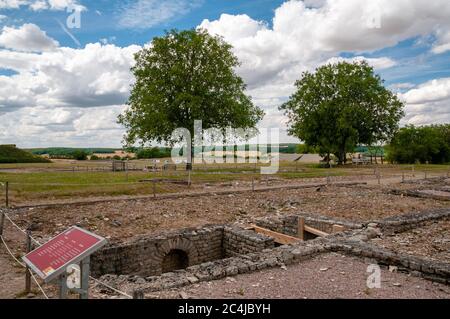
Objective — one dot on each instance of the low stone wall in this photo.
(402, 223)
(238, 241)
(269, 258)
(145, 256)
(289, 224)
(151, 256)
(432, 270)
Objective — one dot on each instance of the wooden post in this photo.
(7, 194)
(301, 228)
(379, 178)
(154, 188)
(253, 183)
(189, 179)
(138, 294)
(2, 223)
(413, 171)
(426, 175)
(328, 178)
(403, 177)
(27, 270)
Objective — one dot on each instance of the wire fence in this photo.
(153, 184)
(4, 216)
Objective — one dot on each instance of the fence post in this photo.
(138, 294)
(426, 175)
(2, 223)
(189, 179)
(27, 271)
(154, 188)
(403, 177)
(7, 194)
(301, 228)
(253, 183)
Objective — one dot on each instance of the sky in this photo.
(65, 64)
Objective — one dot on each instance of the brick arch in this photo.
(178, 243)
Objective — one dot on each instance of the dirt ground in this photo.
(326, 276)
(431, 240)
(344, 278)
(123, 220)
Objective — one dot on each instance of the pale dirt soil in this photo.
(123, 220)
(326, 276)
(431, 240)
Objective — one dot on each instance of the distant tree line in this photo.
(427, 144)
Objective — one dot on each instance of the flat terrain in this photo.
(326, 276)
(121, 217)
(123, 220)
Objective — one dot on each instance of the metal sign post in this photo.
(53, 260)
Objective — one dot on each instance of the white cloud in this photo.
(376, 63)
(144, 14)
(307, 34)
(68, 96)
(39, 5)
(429, 103)
(29, 38)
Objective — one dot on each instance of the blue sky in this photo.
(58, 88)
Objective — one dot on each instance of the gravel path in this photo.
(326, 276)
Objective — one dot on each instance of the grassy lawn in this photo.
(28, 185)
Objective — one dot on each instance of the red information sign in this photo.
(70, 247)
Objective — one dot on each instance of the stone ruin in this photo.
(177, 259)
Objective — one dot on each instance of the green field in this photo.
(27, 186)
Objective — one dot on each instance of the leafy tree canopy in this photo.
(421, 144)
(182, 77)
(340, 106)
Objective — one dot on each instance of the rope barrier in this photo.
(10, 252)
(112, 288)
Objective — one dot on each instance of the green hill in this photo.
(11, 154)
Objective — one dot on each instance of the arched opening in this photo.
(176, 259)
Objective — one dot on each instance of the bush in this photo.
(427, 144)
(94, 158)
(79, 155)
(153, 152)
(11, 154)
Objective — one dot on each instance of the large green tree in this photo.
(413, 144)
(340, 106)
(182, 77)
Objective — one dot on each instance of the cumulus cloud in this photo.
(29, 37)
(144, 14)
(74, 95)
(429, 103)
(307, 34)
(39, 5)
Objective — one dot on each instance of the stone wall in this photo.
(151, 256)
(145, 256)
(238, 241)
(289, 224)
